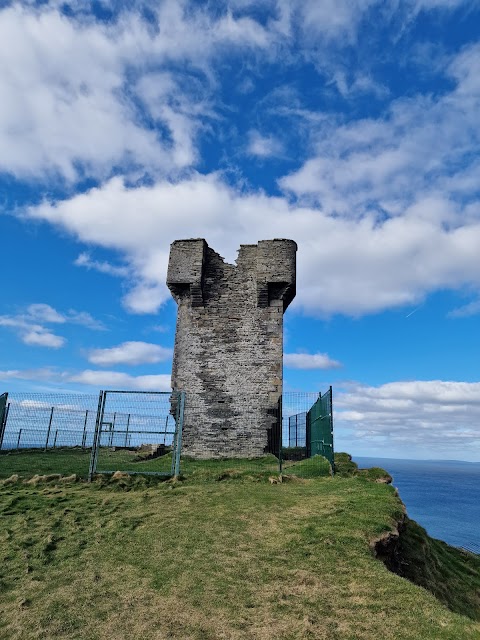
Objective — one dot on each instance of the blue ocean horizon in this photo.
(441, 495)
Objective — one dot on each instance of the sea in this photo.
(443, 496)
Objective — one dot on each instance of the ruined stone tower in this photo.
(229, 344)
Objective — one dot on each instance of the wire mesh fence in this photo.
(47, 421)
(47, 433)
(309, 432)
(137, 432)
(262, 440)
(159, 433)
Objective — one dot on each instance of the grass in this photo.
(223, 554)
(450, 574)
(69, 460)
(28, 462)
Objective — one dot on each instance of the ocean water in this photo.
(442, 496)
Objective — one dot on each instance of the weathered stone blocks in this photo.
(229, 344)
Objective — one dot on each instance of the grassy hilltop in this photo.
(225, 554)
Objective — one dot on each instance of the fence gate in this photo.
(319, 428)
(138, 432)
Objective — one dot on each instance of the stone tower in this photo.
(229, 344)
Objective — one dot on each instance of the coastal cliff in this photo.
(227, 555)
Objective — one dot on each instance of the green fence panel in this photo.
(320, 428)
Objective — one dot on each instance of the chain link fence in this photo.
(141, 433)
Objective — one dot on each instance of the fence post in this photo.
(178, 447)
(18, 439)
(55, 438)
(126, 430)
(49, 427)
(331, 428)
(165, 432)
(3, 415)
(112, 429)
(84, 437)
(280, 439)
(96, 437)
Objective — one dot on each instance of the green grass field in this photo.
(69, 460)
(223, 554)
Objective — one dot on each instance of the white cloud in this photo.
(31, 333)
(146, 297)
(382, 166)
(385, 210)
(263, 146)
(91, 378)
(39, 337)
(351, 265)
(85, 319)
(310, 361)
(132, 353)
(361, 83)
(44, 373)
(84, 260)
(436, 418)
(80, 96)
(44, 313)
(63, 86)
(465, 311)
(27, 325)
(117, 380)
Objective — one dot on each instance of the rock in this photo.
(120, 475)
(72, 478)
(46, 478)
(13, 479)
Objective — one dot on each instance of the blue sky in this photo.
(349, 126)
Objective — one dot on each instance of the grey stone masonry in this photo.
(229, 344)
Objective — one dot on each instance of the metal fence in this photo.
(138, 432)
(280, 455)
(36, 420)
(310, 432)
(141, 433)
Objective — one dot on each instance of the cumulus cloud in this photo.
(39, 337)
(80, 96)
(66, 108)
(352, 265)
(310, 361)
(30, 331)
(132, 353)
(44, 313)
(383, 166)
(384, 209)
(91, 378)
(436, 418)
(118, 380)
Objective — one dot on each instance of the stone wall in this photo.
(229, 344)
